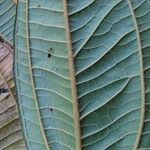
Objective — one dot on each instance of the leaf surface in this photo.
(42, 75)
(7, 19)
(10, 129)
(142, 14)
(102, 60)
(108, 64)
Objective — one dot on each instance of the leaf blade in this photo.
(108, 72)
(7, 17)
(49, 63)
(10, 129)
(141, 10)
(107, 65)
(29, 113)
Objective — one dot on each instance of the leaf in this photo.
(7, 19)
(10, 129)
(43, 83)
(82, 86)
(142, 14)
(108, 66)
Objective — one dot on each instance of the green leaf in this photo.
(29, 112)
(81, 86)
(42, 75)
(10, 129)
(7, 19)
(109, 73)
(142, 14)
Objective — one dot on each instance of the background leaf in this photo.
(7, 19)
(10, 129)
(39, 100)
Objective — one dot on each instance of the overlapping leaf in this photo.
(41, 38)
(107, 59)
(107, 41)
(10, 129)
(7, 19)
(142, 14)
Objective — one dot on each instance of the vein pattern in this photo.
(10, 128)
(142, 13)
(47, 49)
(107, 63)
(7, 19)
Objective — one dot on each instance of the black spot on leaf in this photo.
(50, 51)
(3, 91)
(49, 55)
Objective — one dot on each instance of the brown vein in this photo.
(73, 80)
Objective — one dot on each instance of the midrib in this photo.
(72, 80)
(137, 141)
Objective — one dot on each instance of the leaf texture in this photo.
(10, 129)
(107, 63)
(142, 14)
(42, 75)
(7, 19)
(107, 41)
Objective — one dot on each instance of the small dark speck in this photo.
(3, 91)
(49, 55)
(50, 51)
(39, 5)
(1, 39)
(51, 109)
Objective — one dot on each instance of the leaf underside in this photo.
(10, 129)
(7, 19)
(107, 64)
(108, 40)
(142, 13)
